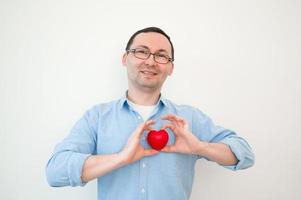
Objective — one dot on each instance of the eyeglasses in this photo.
(144, 54)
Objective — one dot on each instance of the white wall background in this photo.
(238, 61)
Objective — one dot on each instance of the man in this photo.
(109, 141)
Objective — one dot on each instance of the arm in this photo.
(73, 162)
(218, 145)
(65, 166)
(216, 152)
(99, 165)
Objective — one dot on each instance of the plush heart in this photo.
(157, 139)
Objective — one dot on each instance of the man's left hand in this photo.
(185, 141)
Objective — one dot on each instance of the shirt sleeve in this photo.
(65, 165)
(207, 131)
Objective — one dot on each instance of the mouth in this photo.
(148, 73)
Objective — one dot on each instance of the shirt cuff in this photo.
(75, 167)
(242, 152)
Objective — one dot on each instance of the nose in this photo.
(150, 60)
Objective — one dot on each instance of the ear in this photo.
(124, 59)
(171, 69)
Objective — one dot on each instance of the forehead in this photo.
(154, 41)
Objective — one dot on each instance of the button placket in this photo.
(143, 177)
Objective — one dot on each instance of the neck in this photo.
(145, 98)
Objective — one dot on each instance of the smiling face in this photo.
(148, 74)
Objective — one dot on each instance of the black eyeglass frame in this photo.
(150, 53)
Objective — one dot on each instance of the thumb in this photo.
(150, 152)
(168, 149)
(144, 126)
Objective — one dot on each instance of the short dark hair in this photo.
(147, 30)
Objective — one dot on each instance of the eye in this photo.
(162, 56)
(142, 51)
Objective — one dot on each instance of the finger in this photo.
(173, 118)
(144, 126)
(150, 152)
(168, 116)
(178, 118)
(170, 126)
(173, 128)
(170, 119)
(148, 124)
(137, 133)
(168, 149)
(182, 120)
(171, 115)
(138, 130)
(178, 121)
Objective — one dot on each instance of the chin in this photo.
(150, 86)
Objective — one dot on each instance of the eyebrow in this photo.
(146, 47)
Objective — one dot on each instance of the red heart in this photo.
(157, 139)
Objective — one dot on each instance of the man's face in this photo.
(148, 74)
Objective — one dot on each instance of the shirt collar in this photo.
(124, 101)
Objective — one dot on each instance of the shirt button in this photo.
(142, 190)
(143, 165)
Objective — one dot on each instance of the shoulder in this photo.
(103, 108)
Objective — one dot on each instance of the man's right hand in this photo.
(133, 150)
(98, 165)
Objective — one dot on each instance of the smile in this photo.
(148, 73)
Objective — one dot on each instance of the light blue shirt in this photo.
(105, 129)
